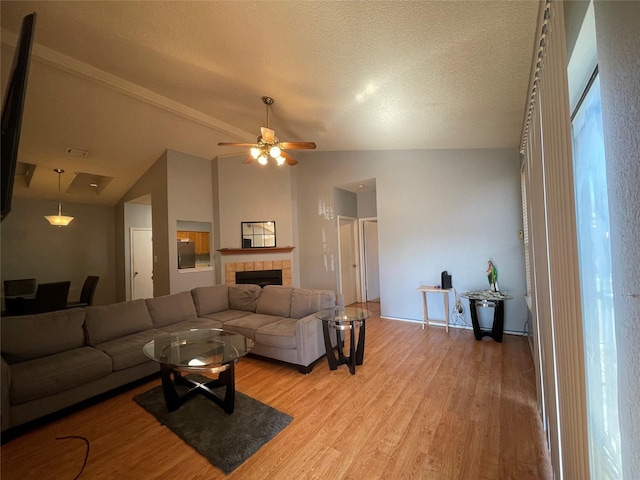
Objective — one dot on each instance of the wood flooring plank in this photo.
(425, 404)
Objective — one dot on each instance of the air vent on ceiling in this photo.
(76, 152)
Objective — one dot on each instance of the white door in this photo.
(141, 263)
(347, 232)
(371, 269)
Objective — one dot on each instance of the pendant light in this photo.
(59, 220)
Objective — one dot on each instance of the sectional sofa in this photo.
(54, 360)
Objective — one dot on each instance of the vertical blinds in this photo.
(546, 146)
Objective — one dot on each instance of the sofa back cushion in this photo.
(34, 336)
(244, 297)
(305, 302)
(170, 309)
(108, 322)
(275, 300)
(211, 299)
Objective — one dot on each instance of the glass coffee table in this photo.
(341, 319)
(208, 350)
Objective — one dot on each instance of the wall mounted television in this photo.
(12, 109)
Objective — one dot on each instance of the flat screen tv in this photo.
(12, 108)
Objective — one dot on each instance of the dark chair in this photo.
(86, 295)
(23, 287)
(51, 296)
(16, 293)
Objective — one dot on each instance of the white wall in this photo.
(618, 39)
(437, 210)
(32, 248)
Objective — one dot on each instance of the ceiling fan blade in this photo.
(289, 159)
(231, 144)
(298, 145)
(249, 159)
(268, 135)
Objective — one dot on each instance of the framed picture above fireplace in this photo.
(260, 234)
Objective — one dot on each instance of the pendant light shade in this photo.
(59, 220)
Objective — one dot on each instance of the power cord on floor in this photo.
(86, 455)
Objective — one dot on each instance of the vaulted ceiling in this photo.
(124, 81)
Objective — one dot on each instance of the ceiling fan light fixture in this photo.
(280, 160)
(263, 159)
(255, 152)
(275, 151)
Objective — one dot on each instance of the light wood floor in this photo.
(425, 405)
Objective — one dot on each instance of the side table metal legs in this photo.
(498, 318)
(356, 355)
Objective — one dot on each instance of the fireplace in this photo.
(261, 277)
(231, 268)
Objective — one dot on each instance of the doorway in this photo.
(369, 270)
(141, 263)
(348, 259)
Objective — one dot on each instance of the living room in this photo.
(437, 209)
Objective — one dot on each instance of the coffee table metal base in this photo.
(174, 400)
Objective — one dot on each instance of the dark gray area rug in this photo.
(225, 440)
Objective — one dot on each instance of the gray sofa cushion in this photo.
(56, 373)
(192, 323)
(170, 309)
(280, 334)
(34, 336)
(211, 299)
(275, 300)
(248, 324)
(244, 297)
(109, 322)
(305, 302)
(226, 315)
(127, 351)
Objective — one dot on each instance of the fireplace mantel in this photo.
(237, 251)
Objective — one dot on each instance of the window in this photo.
(594, 249)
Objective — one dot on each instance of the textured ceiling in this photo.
(127, 80)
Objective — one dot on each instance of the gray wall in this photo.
(367, 205)
(251, 193)
(189, 195)
(32, 248)
(618, 38)
(437, 210)
(153, 183)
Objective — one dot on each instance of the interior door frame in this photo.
(362, 251)
(356, 250)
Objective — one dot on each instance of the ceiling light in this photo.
(280, 160)
(263, 159)
(59, 220)
(255, 152)
(361, 185)
(275, 152)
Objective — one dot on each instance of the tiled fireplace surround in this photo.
(231, 268)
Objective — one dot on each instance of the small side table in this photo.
(487, 299)
(425, 310)
(340, 319)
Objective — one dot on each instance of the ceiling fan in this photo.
(268, 145)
